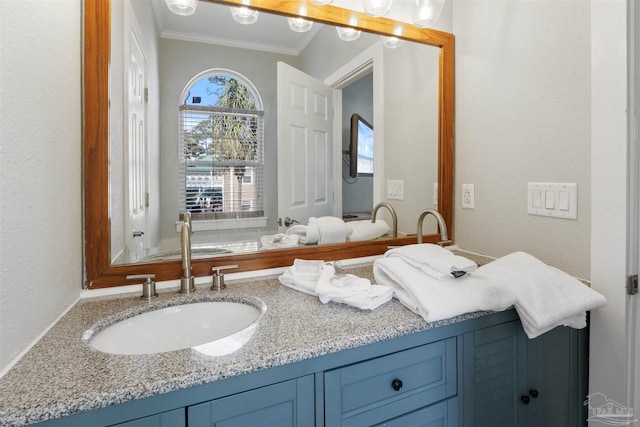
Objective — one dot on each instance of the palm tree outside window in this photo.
(221, 147)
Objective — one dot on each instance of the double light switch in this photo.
(559, 200)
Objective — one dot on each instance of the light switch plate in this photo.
(395, 189)
(552, 199)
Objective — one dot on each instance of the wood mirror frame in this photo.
(98, 270)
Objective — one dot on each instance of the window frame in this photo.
(221, 220)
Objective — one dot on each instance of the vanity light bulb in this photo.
(300, 25)
(426, 12)
(377, 8)
(244, 15)
(182, 7)
(391, 42)
(348, 34)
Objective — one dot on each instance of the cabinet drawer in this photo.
(442, 414)
(290, 403)
(379, 389)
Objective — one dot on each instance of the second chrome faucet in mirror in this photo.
(392, 211)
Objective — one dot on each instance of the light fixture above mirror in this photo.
(348, 34)
(377, 8)
(423, 13)
(300, 25)
(244, 15)
(182, 7)
(391, 42)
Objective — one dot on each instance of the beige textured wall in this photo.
(523, 96)
(40, 168)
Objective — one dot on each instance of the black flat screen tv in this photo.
(360, 147)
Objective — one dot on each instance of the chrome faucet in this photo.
(441, 224)
(393, 216)
(187, 283)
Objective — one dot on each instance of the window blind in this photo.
(221, 153)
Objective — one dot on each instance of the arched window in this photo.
(221, 147)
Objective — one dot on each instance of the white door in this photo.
(305, 146)
(136, 147)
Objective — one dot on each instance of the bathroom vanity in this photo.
(307, 364)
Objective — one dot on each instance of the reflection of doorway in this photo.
(369, 65)
(357, 193)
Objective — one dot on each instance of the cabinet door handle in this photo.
(396, 384)
(525, 399)
(534, 393)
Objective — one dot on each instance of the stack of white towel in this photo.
(331, 229)
(545, 297)
(320, 279)
(326, 229)
(424, 280)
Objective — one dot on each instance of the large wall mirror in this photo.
(135, 193)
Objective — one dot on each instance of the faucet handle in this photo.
(218, 276)
(148, 286)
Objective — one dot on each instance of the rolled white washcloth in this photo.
(367, 230)
(331, 229)
(434, 260)
(308, 234)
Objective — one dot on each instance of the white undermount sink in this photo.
(212, 328)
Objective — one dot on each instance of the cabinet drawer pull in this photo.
(525, 399)
(534, 393)
(396, 384)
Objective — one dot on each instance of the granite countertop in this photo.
(62, 375)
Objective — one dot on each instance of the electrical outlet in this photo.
(468, 196)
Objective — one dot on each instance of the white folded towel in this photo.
(435, 299)
(545, 297)
(307, 234)
(366, 230)
(302, 276)
(331, 229)
(319, 279)
(279, 240)
(434, 260)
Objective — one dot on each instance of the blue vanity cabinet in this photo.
(510, 380)
(393, 387)
(173, 418)
(473, 373)
(290, 403)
